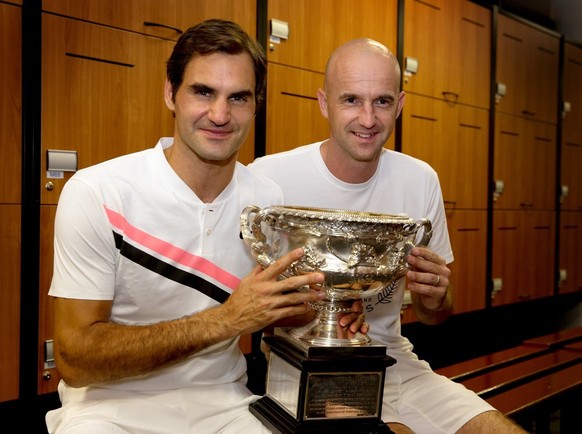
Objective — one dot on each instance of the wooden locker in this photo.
(102, 94)
(570, 261)
(164, 19)
(527, 64)
(523, 255)
(572, 88)
(293, 115)
(525, 155)
(48, 378)
(10, 197)
(451, 42)
(571, 146)
(10, 299)
(10, 103)
(571, 162)
(317, 27)
(454, 140)
(468, 233)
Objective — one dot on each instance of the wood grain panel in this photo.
(527, 57)
(166, 17)
(10, 301)
(10, 103)
(525, 155)
(317, 27)
(570, 260)
(571, 162)
(538, 277)
(507, 234)
(451, 40)
(46, 384)
(10, 197)
(468, 233)
(293, 115)
(572, 87)
(523, 255)
(453, 139)
(102, 93)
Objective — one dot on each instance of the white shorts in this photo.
(201, 410)
(426, 402)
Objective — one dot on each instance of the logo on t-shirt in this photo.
(382, 297)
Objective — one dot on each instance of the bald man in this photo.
(361, 100)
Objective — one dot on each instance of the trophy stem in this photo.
(325, 329)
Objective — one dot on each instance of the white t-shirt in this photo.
(130, 230)
(401, 184)
(413, 393)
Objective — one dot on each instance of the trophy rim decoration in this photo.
(346, 214)
(360, 253)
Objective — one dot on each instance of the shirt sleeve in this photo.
(84, 246)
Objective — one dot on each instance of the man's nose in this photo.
(367, 116)
(219, 111)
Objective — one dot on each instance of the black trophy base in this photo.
(315, 389)
(280, 422)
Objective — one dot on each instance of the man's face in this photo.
(214, 106)
(361, 102)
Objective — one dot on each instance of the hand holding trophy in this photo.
(317, 378)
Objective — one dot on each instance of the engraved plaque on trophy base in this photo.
(315, 389)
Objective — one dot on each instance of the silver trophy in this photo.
(360, 254)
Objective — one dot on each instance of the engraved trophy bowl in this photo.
(359, 253)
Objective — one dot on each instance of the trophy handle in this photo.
(426, 225)
(245, 227)
(427, 231)
(253, 235)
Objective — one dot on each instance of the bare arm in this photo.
(89, 348)
(428, 281)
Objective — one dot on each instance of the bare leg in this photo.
(491, 422)
(398, 428)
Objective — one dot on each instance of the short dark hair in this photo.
(216, 36)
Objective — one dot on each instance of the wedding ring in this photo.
(438, 280)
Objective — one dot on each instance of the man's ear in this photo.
(322, 99)
(401, 98)
(168, 95)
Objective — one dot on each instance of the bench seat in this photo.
(557, 339)
(513, 375)
(489, 362)
(575, 347)
(532, 383)
(551, 386)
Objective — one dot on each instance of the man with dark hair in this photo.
(152, 283)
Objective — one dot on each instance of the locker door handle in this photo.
(165, 26)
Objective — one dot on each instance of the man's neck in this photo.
(207, 179)
(344, 167)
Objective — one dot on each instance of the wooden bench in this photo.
(575, 347)
(532, 392)
(489, 362)
(508, 377)
(530, 382)
(534, 403)
(557, 339)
